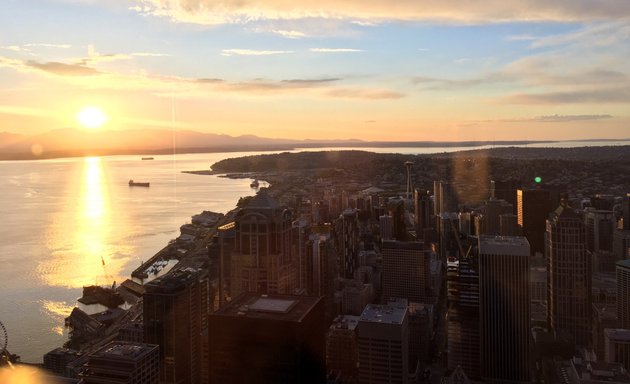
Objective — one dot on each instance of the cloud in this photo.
(210, 81)
(335, 50)
(289, 34)
(556, 118)
(150, 54)
(251, 52)
(524, 37)
(46, 45)
(310, 82)
(14, 48)
(441, 11)
(366, 94)
(594, 96)
(592, 35)
(24, 111)
(63, 69)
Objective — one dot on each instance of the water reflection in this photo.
(84, 254)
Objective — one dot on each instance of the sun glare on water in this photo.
(91, 117)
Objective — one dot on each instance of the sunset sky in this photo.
(365, 69)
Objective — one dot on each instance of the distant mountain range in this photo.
(73, 142)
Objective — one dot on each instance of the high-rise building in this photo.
(386, 225)
(569, 275)
(623, 294)
(262, 260)
(122, 362)
(346, 236)
(406, 270)
(321, 267)
(621, 243)
(493, 209)
(625, 207)
(268, 339)
(508, 225)
(599, 230)
(420, 330)
(463, 316)
(175, 315)
(617, 346)
(383, 335)
(505, 190)
(533, 207)
(423, 210)
(504, 308)
(342, 353)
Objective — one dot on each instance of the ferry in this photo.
(147, 158)
(136, 184)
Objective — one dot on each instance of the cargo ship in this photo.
(136, 184)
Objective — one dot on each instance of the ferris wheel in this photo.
(4, 339)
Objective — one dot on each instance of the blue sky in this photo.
(417, 70)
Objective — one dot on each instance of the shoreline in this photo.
(448, 146)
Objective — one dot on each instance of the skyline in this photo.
(370, 71)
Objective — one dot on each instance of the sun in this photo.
(91, 117)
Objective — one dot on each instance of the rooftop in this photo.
(345, 322)
(618, 334)
(174, 281)
(124, 350)
(375, 313)
(277, 307)
(624, 263)
(504, 245)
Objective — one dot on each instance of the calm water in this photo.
(60, 217)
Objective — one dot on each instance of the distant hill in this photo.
(73, 142)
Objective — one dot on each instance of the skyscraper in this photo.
(463, 316)
(383, 335)
(406, 270)
(504, 308)
(122, 362)
(423, 210)
(625, 207)
(347, 242)
(599, 230)
(175, 311)
(268, 339)
(568, 274)
(262, 260)
(623, 294)
(533, 207)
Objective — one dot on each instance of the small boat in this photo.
(254, 184)
(136, 184)
(147, 158)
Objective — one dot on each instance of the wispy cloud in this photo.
(591, 35)
(47, 45)
(441, 11)
(289, 34)
(366, 94)
(556, 118)
(28, 47)
(311, 81)
(150, 54)
(335, 50)
(24, 111)
(595, 96)
(251, 52)
(523, 37)
(63, 69)
(14, 48)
